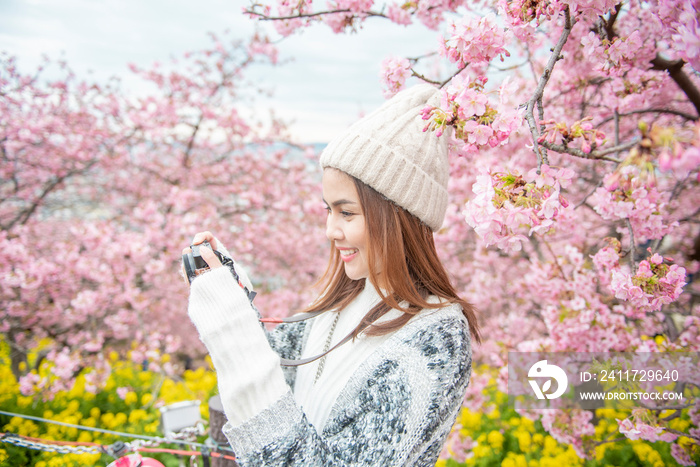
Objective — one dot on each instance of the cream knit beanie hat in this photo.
(389, 151)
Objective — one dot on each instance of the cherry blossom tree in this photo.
(101, 190)
(575, 144)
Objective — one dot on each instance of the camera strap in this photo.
(302, 317)
(228, 262)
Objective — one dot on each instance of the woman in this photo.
(390, 392)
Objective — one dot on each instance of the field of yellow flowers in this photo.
(493, 435)
(127, 403)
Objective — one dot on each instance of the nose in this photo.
(333, 231)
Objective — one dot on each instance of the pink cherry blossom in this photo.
(394, 73)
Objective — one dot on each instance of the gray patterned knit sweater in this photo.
(396, 409)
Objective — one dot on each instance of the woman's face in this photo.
(345, 225)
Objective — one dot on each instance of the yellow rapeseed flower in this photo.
(601, 429)
(107, 419)
(495, 439)
(524, 440)
(136, 416)
(146, 398)
(28, 428)
(551, 447)
(685, 442)
(569, 457)
(600, 451)
(151, 427)
(605, 413)
(518, 459)
(494, 414)
(679, 424)
(470, 420)
(73, 407)
(119, 420)
(24, 402)
(145, 377)
(91, 422)
(131, 398)
(481, 450)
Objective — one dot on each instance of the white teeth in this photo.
(348, 252)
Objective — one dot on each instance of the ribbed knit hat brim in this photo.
(389, 151)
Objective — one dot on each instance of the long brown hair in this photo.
(411, 270)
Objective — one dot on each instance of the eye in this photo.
(346, 214)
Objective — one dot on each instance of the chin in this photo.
(355, 275)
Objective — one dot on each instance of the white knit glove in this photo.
(248, 370)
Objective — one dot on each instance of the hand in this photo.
(207, 255)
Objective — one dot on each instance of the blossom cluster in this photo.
(637, 427)
(681, 159)
(590, 137)
(288, 8)
(569, 426)
(474, 40)
(618, 56)
(521, 12)
(687, 35)
(508, 206)
(655, 284)
(394, 73)
(681, 19)
(399, 14)
(477, 122)
(626, 194)
(590, 8)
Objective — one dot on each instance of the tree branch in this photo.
(536, 98)
(633, 250)
(423, 78)
(593, 155)
(678, 113)
(264, 17)
(682, 433)
(675, 70)
(461, 69)
(190, 143)
(610, 23)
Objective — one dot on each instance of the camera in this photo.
(194, 263)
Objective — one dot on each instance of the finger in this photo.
(183, 274)
(186, 250)
(205, 236)
(209, 256)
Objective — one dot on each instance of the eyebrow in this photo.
(340, 202)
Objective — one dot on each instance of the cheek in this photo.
(359, 235)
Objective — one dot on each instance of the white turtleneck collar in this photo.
(318, 397)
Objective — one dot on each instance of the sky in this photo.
(329, 82)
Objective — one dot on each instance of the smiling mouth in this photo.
(348, 254)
